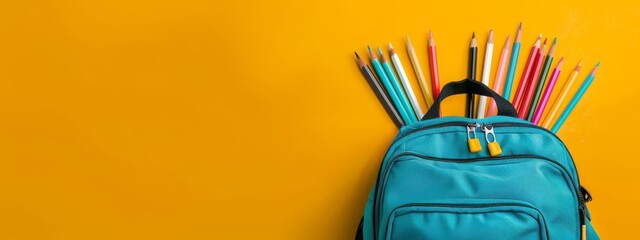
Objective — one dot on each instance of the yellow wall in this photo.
(249, 120)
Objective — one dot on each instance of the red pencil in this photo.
(433, 66)
(532, 83)
(528, 67)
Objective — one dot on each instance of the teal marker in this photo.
(387, 85)
(397, 88)
(513, 62)
(574, 101)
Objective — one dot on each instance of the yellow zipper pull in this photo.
(494, 146)
(474, 143)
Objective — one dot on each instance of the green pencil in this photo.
(541, 81)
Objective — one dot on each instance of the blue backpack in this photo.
(459, 178)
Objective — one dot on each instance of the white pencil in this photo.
(486, 71)
(405, 82)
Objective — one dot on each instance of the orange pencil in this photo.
(563, 94)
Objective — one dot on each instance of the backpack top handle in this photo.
(470, 86)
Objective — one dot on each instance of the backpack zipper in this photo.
(498, 124)
(493, 145)
(472, 138)
(475, 205)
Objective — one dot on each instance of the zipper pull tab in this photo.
(494, 146)
(474, 143)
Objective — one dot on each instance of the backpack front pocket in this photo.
(466, 221)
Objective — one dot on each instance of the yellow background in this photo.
(250, 120)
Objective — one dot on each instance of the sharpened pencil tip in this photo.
(540, 36)
(555, 39)
(409, 45)
(473, 35)
(372, 54)
(391, 51)
(382, 58)
(359, 60)
(431, 42)
(595, 69)
(473, 42)
(579, 66)
(559, 65)
(545, 41)
(506, 44)
(520, 26)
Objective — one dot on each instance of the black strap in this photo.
(586, 194)
(470, 86)
(359, 235)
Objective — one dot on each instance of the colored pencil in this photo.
(379, 92)
(563, 94)
(547, 92)
(513, 62)
(533, 80)
(384, 79)
(405, 82)
(418, 71)
(486, 72)
(433, 66)
(541, 81)
(576, 98)
(396, 87)
(500, 75)
(526, 72)
(473, 55)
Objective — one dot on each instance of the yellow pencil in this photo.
(563, 95)
(416, 68)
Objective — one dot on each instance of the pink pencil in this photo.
(523, 109)
(547, 92)
(500, 74)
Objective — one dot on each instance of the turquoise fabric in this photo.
(430, 186)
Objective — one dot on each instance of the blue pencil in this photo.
(387, 84)
(513, 62)
(397, 87)
(574, 101)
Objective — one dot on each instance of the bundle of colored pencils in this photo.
(530, 98)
